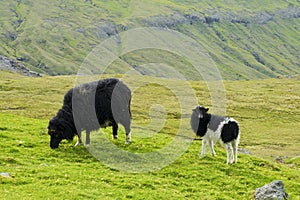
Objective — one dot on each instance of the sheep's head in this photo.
(58, 130)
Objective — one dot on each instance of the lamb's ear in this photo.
(206, 109)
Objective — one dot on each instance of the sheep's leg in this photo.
(229, 153)
(203, 152)
(87, 138)
(79, 141)
(211, 145)
(126, 123)
(235, 150)
(115, 130)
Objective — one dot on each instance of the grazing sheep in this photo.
(91, 106)
(212, 128)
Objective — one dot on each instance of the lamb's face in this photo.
(200, 111)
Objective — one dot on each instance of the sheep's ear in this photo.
(206, 109)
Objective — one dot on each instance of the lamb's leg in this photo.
(87, 138)
(203, 152)
(235, 150)
(115, 130)
(128, 137)
(79, 141)
(211, 145)
(229, 153)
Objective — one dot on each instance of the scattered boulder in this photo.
(105, 29)
(274, 190)
(212, 18)
(280, 159)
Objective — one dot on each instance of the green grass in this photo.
(268, 112)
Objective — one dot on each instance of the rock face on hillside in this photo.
(211, 16)
(8, 64)
(274, 190)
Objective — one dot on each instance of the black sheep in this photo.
(90, 106)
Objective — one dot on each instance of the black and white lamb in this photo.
(212, 128)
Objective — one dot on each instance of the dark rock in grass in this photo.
(274, 190)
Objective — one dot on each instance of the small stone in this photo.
(44, 165)
(5, 174)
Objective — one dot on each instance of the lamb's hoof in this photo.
(127, 142)
(77, 144)
(86, 145)
(202, 156)
(115, 137)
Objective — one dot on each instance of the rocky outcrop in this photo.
(11, 65)
(214, 16)
(274, 190)
(165, 21)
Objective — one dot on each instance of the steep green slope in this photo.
(257, 39)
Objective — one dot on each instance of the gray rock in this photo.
(244, 151)
(5, 174)
(165, 21)
(11, 65)
(274, 190)
(105, 29)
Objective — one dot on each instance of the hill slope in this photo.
(247, 40)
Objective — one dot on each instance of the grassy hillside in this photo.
(268, 112)
(246, 40)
